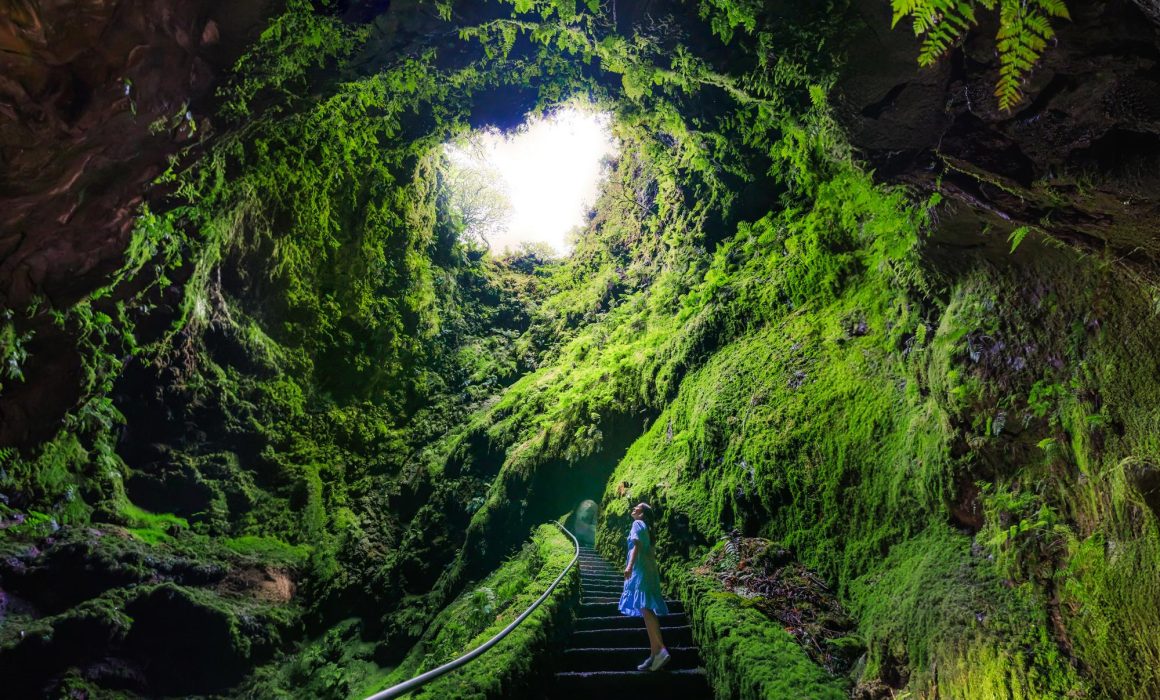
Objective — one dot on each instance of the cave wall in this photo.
(96, 98)
(1076, 160)
(341, 413)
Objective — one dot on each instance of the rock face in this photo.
(1078, 158)
(1150, 8)
(98, 94)
(95, 97)
(101, 601)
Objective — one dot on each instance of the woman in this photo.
(642, 586)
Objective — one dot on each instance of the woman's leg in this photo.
(653, 626)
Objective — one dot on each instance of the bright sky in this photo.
(551, 171)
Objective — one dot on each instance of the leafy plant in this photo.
(1024, 32)
(1017, 236)
(13, 351)
(297, 41)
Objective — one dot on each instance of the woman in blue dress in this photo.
(642, 586)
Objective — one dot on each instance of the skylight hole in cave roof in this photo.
(534, 184)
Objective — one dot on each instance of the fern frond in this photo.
(1054, 8)
(1040, 25)
(1024, 33)
(940, 23)
(903, 8)
(1024, 30)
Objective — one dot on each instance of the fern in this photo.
(1017, 237)
(1024, 32)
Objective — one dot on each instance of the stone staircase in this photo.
(605, 646)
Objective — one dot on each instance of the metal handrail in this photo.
(425, 678)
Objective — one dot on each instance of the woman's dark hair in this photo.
(647, 515)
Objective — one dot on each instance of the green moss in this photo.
(963, 449)
(485, 609)
(152, 527)
(341, 664)
(1108, 594)
(931, 605)
(268, 549)
(746, 656)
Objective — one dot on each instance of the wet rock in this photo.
(1145, 477)
(163, 639)
(1079, 158)
(212, 650)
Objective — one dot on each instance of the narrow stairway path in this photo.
(605, 646)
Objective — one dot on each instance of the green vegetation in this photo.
(340, 664)
(152, 527)
(268, 549)
(480, 612)
(1024, 33)
(746, 655)
(339, 410)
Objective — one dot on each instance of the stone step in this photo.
(620, 637)
(605, 646)
(609, 609)
(687, 684)
(616, 621)
(593, 596)
(600, 572)
(600, 595)
(602, 578)
(601, 588)
(624, 658)
(614, 599)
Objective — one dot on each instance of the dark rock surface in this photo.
(1150, 8)
(170, 619)
(95, 97)
(1078, 158)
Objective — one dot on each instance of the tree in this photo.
(475, 197)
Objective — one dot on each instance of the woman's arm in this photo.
(634, 535)
(631, 562)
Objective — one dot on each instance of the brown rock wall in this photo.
(95, 95)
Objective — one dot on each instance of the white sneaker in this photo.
(644, 666)
(660, 660)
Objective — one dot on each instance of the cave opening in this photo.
(530, 187)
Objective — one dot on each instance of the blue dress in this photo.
(643, 588)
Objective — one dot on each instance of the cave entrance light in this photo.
(532, 185)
